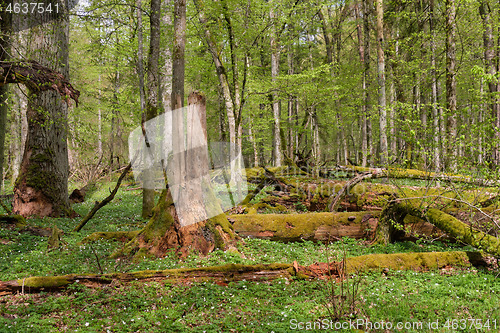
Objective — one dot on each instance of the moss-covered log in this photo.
(259, 272)
(310, 226)
(418, 174)
(397, 211)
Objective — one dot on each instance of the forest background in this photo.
(410, 83)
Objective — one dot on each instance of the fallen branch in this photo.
(418, 174)
(397, 210)
(98, 205)
(335, 203)
(259, 272)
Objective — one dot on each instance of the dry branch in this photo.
(418, 174)
(334, 204)
(98, 205)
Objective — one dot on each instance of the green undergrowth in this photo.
(277, 306)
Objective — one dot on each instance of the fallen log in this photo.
(310, 226)
(335, 201)
(418, 174)
(260, 272)
(397, 211)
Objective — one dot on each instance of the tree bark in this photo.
(436, 110)
(5, 30)
(367, 147)
(190, 197)
(397, 211)
(42, 186)
(151, 107)
(451, 84)
(381, 83)
(490, 69)
(148, 192)
(275, 59)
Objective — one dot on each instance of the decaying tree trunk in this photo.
(260, 272)
(189, 198)
(311, 226)
(398, 210)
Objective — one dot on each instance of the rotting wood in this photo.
(309, 226)
(335, 203)
(260, 272)
(398, 209)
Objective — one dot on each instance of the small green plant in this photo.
(300, 207)
(343, 293)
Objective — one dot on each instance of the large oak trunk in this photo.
(42, 186)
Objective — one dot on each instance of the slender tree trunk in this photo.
(4, 95)
(42, 186)
(275, 59)
(434, 93)
(392, 117)
(166, 57)
(5, 31)
(451, 83)
(152, 103)
(480, 115)
(367, 124)
(99, 119)
(290, 108)
(361, 48)
(490, 68)
(381, 83)
(148, 192)
(231, 101)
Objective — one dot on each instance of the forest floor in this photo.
(449, 299)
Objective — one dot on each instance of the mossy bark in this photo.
(42, 186)
(396, 212)
(164, 233)
(419, 174)
(17, 220)
(310, 226)
(258, 272)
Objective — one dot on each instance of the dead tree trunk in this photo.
(187, 216)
